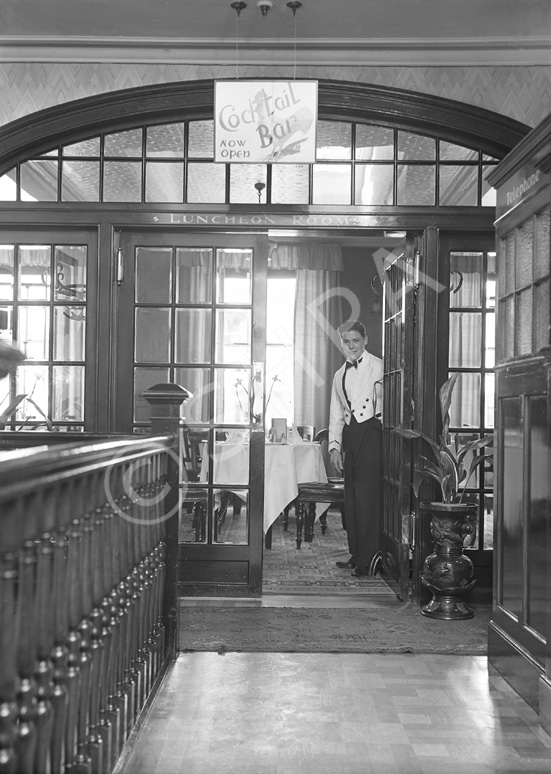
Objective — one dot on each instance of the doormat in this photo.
(396, 629)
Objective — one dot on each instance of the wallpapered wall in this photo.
(522, 93)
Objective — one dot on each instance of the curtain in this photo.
(318, 312)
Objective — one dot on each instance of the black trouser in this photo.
(362, 446)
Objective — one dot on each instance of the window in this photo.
(43, 308)
(357, 165)
(472, 355)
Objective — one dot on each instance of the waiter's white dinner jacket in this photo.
(361, 395)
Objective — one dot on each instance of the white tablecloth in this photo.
(286, 466)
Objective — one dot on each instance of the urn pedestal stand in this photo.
(448, 572)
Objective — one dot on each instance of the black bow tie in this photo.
(352, 364)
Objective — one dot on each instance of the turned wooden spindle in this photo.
(8, 670)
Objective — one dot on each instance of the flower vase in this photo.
(448, 572)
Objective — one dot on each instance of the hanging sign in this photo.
(265, 121)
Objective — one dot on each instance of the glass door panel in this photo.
(189, 306)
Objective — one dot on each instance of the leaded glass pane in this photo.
(541, 315)
(193, 515)
(34, 331)
(70, 268)
(231, 396)
(34, 272)
(6, 323)
(193, 275)
(193, 336)
(506, 329)
(39, 181)
(416, 185)
(152, 343)
(524, 322)
(206, 183)
(458, 186)
(8, 186)
(68, 393)
(127, 143)
(85, 148)
(374, 143)
(231, 459)
(466, 274)
(197, 381)
(491, 281)
(231, 516)
(334, 140)
(243, 178)
(233, 276)
(165, 140)
(451, 152)
(465, 340)
(331, 183)
(80, 181)
(374, 184)
(69, 333)
(290, 183)
(490, 350)
(7, 272)
(465, 406)
(489, 193)
(489, 399)
(153, 275)
(543, 249)
(144, 378)
(415, 147)
(510, 257)
(525, 253)
(233, 336)
(122, 181)
(164, 182)
(201, 140)
(31, 380)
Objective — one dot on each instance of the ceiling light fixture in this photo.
(265, 6)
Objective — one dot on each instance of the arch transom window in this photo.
(358, 164)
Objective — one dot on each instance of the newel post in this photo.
(166, 401)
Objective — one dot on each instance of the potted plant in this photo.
(448, 572)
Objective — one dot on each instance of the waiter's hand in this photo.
(336, 460)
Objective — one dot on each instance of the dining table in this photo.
(286, 465)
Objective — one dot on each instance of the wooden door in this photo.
(398, 359)
(192, 311)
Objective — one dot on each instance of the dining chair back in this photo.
(307, 432)
(311, 493)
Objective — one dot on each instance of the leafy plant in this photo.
(448, 466)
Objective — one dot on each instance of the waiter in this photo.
(355, 446)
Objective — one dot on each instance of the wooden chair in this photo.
(313, 492)
(307, 432)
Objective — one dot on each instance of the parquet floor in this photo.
(255, 713)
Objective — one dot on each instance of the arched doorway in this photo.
(97, 189)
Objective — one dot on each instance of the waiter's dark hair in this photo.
(352, 325)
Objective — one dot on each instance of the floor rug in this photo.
(313, 569)
(393, 629)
